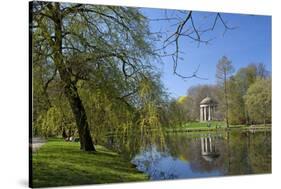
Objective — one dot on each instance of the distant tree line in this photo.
(243, 97)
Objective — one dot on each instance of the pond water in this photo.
(195, 155)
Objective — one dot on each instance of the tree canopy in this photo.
(95, 58)
(258, 101)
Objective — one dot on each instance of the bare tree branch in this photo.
(192, 33)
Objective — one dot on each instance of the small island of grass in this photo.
(214, 126)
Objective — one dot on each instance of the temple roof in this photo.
(208, 100)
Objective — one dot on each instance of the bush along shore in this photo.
(215, 125)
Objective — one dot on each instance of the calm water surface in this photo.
(195, 155)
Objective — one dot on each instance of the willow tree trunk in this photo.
(79, 112)
(70, 88)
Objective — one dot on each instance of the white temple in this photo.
(207, 109)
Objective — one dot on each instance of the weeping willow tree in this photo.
(100, 56)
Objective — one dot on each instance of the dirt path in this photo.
(37, 142)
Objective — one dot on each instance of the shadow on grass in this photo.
(60, 163)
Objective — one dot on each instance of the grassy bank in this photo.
(212, 126)
(60, 163)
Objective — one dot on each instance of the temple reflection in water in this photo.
(209, 150)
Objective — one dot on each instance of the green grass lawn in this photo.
(60, 163)
(214, 125)
(191, 126)
(204, 125)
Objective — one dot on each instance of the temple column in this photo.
(201, 114)
(205, 113)
(209, 113)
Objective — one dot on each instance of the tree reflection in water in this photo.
(193, 155)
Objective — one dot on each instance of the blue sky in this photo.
(249, 42)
